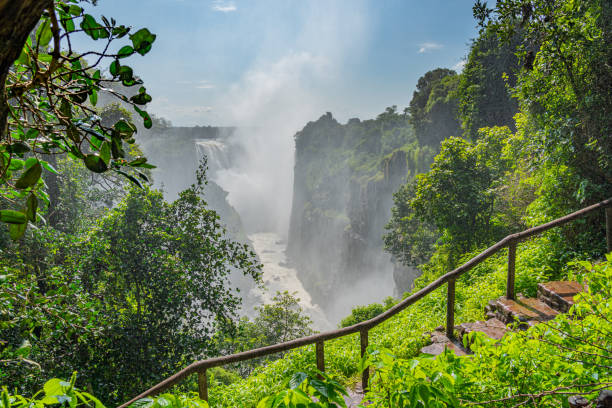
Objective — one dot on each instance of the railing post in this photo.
(320, 352)
(365, 376)
(450, 309)
(609, 228)
(511, 270)
(203, 385)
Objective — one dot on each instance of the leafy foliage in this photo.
(140, 286)
(565, 83)
(484, 90)
(276, 322)
(171, 401)
(303, 388)
(539, 367)
(55, 392)
(409, 239)
(162, 270)
(362, 313)
(49, 107)
(433, 108)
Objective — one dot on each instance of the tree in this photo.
(433, 108)
(486, 84)
(48, 93)
(458, 194)
(410, 240)
(276, 322)
(162, 273)
(565, 82)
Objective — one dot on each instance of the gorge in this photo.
(330, 252)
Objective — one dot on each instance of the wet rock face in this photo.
(403, 276)
(340, 209)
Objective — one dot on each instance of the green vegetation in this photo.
(344, 179)
(48, 95)
(115, 300)
(126, 288)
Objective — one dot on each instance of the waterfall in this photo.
(216, 152)
(251, 190)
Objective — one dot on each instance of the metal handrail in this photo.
(510, 241)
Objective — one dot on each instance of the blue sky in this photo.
(220, 62)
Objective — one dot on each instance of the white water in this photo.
(278, 276)
(216, 152)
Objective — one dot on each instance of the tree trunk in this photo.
(17, 20)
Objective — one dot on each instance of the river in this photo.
(279, 276)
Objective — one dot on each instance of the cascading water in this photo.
(269, 245)
(216, 152)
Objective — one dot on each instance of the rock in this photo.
(577, 401)
(559, 294)
(604, 400)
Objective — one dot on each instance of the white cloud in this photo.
(429, 46)
(163, 107)
(459, 66)
(224, 6)
(204, 85)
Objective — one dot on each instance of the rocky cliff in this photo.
(344, 180)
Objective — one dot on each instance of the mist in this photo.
(252, 159)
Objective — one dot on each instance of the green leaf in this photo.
(130, 177)
(320, 386)
(114, 68)
(125, 128)
(125, 52)
(120, 31)
(105, 152)
(31, 207)
(138, 161)
(126, 75)
(66, 21)
(95, 163)
(93, 28)
(142, 41)
(117, 148)
(18, 148)
(141, 99)
(16, 231)
(75, 10)
(30, 176)
(297, 379)
(31, 134)
(145, 116)
(30, 161)
(93, 97)
(13, 217)
(44, 33)
(24, 349)
(55, 386)
(16, 164)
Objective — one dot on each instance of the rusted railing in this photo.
(362, 328)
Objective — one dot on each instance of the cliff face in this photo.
(344, 180)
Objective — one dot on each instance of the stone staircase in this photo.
(552, 298)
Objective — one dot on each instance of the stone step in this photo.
(354, 397)
(559, 294)
(493, 328)
(439, 342)
(528, 311)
